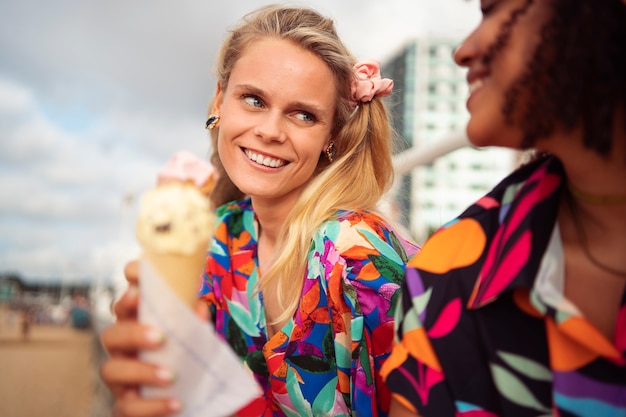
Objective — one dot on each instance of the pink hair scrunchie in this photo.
(369, 83)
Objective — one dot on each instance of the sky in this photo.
(96, 95)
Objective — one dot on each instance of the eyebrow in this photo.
(311, 108)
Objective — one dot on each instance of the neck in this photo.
(593, 198)
(593, 228)
(596, 186)
(595, 182)
(271, 216)
(598, 230)
(592, 178)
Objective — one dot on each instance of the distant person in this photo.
(518, 306)
(303, 144)
(25, 323)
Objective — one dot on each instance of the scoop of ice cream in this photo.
(184, 166)
(174, 218)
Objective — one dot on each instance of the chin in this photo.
(483, 133)
(478, 136)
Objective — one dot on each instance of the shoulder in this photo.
(487, 213)
(544, 169)
(359, 233)
(516, 202)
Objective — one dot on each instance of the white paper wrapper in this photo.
(210, 379)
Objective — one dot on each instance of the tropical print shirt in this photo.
(326, 360)
(484, 328)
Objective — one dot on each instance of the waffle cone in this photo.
(181, 272)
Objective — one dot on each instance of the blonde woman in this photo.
(302, 275)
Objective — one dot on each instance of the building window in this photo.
(444, 88)
(442, 106)
(443, 71)
(444, 51)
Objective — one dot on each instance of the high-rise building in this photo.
(428, 105)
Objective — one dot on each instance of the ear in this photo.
(217, 100)
(330, 139)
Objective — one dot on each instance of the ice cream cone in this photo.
(174, 227)
(181, 272)
(175, 223)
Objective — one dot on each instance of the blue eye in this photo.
(305, 117)
(253, 101)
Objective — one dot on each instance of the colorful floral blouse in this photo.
(325, 361)
(485, 329)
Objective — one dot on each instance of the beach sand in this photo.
(51, 374)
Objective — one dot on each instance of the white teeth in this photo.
(264, 160)
(476, 84)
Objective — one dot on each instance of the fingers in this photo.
(123, 373)
(126, 338)
(119, 373)
(131, 271)
(126, 307)
(131, 404)
(202, 311)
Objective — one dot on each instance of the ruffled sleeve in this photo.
(366, 268)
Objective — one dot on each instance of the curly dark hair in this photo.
(577, 75)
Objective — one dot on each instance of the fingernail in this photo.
(175, 405)
(154, 336)
(133, 291)
(165, 374)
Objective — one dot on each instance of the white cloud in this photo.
(14, 99)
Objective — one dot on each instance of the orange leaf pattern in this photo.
(475, 337)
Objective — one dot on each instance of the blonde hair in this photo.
(362, 169)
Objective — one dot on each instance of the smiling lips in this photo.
(476, 79)
(264, 159)
(475, 85)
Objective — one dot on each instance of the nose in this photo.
(269, 127)
(466, 52)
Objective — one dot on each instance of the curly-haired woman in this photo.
(518, 306)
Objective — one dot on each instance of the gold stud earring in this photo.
(212, 121)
